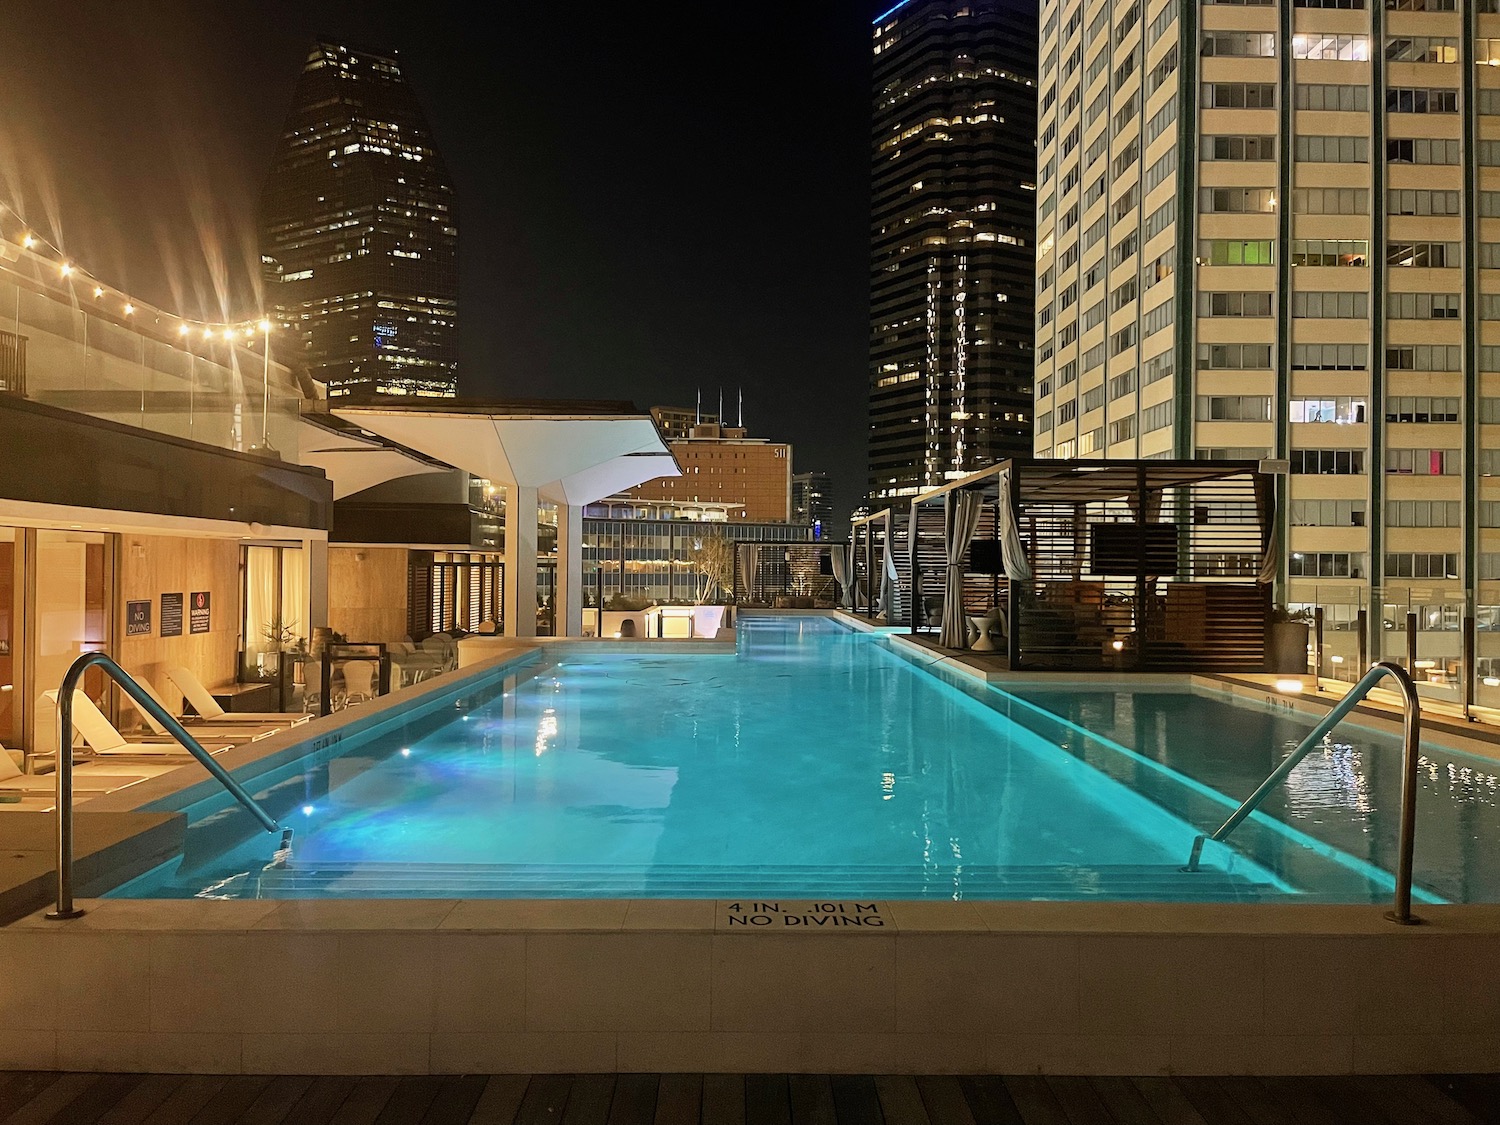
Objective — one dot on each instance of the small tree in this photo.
(713, 559)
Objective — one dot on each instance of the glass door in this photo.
(11, 587)
(72, 609)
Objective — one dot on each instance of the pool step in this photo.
(422, 880)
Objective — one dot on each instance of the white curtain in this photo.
(261, 599)
(838, 554)
(294, 592)
(962, 521)
(890, 585)
(749, 568)
(1012, 550)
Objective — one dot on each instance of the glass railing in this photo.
(1449, 644)
(206, 390)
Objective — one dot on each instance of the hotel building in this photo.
(1267, 230)
(953, 209)
(359, 232)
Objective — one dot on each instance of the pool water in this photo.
(816, 762)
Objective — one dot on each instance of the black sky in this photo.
(654, 197)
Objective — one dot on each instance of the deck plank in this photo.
(365, 1101)
(138, 1104)
(1479, 1094)
(768, 1100)
(900, 1100)
(1079, 1100)
(184, 1102)
(277, 1100)
(855, 1099)
(1167, 1101)
(1209, 1098)
(546, 1099)
(989, 1100)
(237, 1095)
(945, 1101)
(679, 1101)
(455, 1100)
(93, 1103)
(635, 1099)
(23, 1086)
(724, 1099)
(53, 1100)
(1034, 1100)
(321, 1101)
(812, 1099)
(1298, 1098)
(1124, 1101)
(589, 1100)
(1422, 1099)
(1255, 1101)
(500, 1101)
(1345, 1097)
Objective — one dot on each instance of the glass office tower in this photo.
(1272, 230)
(952, 232)
(359, 232)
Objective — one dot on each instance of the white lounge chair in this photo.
(103, 739)
(204, 703)
(196, 726)
(12, 780)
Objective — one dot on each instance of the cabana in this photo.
(1147, 565)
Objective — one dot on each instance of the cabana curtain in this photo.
(890, 585)
(1270, 531)
(839, 554)
(962, 522)
(1012, 550)
(749, 568)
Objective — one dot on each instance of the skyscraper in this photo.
(953, 216)
(1268, 230)
(359, 231)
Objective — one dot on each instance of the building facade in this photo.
(1268, 230)
(359, 232)
(952, 231)
(812, 501)
(751, 478)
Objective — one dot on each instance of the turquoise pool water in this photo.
(814, 763)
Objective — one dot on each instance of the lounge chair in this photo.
(198, 728)
(103, 739)
(12, 780)
(208, 708)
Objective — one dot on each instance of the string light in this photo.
(30, 241)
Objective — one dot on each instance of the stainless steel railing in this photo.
(1410, 751)
(65, 908)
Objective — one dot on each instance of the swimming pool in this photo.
(816, 762)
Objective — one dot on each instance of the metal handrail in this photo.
(1411, 749)
(65, 908)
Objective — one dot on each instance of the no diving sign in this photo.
(801, 917)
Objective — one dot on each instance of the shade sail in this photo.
(354, 462)
(573, 459)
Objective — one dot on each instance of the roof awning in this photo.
(568, 458)
(355, 461)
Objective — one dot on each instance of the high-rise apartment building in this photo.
(952, 232)
(749, 478)
(1271, 229)
(812, 500)
(359, 232)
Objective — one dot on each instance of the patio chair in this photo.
(208, 708)
(198, 728)
(100, 735)
(12, 780)
(359, 682)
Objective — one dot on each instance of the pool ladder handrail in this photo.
(1411, 749)
(65, 908)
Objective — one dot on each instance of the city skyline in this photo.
(608, 210)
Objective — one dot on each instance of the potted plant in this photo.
(1286, 640)
(280, 637)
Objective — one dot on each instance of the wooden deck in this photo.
(719, 1099)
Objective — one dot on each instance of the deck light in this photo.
(1290, 686)
(1492, 681)
(1118, 646)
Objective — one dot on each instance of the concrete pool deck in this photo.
(511, 986)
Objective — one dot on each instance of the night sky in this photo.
(653, 197)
